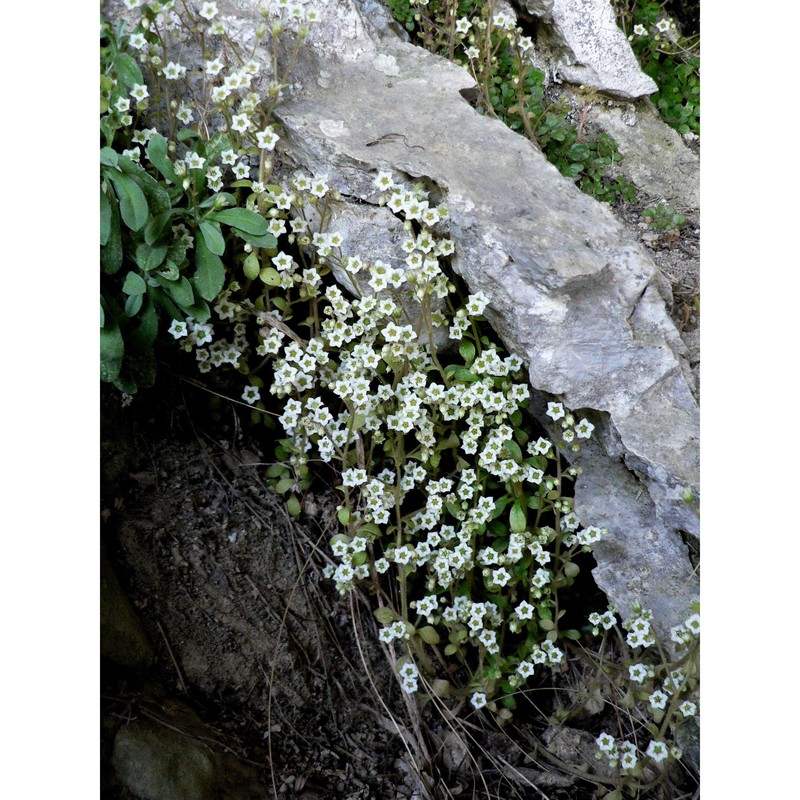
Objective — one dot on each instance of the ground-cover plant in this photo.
(455, 506)
(497, 53)
(663, 217)
(669, 58)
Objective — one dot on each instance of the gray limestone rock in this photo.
(593, 50)
(169, 753)
(538, 8)
(654, 156)
(157, 763)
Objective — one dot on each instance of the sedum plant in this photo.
(456, 512)
(663, 217)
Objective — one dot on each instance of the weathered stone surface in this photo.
(642, 558)
(538, 8)
(591, 49)
(654, 156)
(374, 233)
(576, 747)
(156, 763)
(169, 753)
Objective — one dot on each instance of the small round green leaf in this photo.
(134, 284)
(385, 615)
(571, 569)
(270, 276)
(517, 518)
(293, 506)
(429, 635)
(251, 267)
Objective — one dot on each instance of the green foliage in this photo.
(403, 11)
(662, 217)
(165, 233)
(669, 58)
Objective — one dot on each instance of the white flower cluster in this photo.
(369, 355)
(677, 691)
(227, 81)
(369, 369)
(409, 676)
(640, 633)
(607, 620)
(684, 633)
(624, 754)
(476, 44)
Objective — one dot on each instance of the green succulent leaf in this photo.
(105, 219)
(133, 304)
(149, 258)
(108, 157)
(155, 226)
(267, 241)
(385, 615)
(213, 148)
(111, 253)
(293, 506)
(134, 284)
(157, 196)
(429, 635)
(467, 351)
(223, 198)
(270, 276)
(179, 290)
(571, 569)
